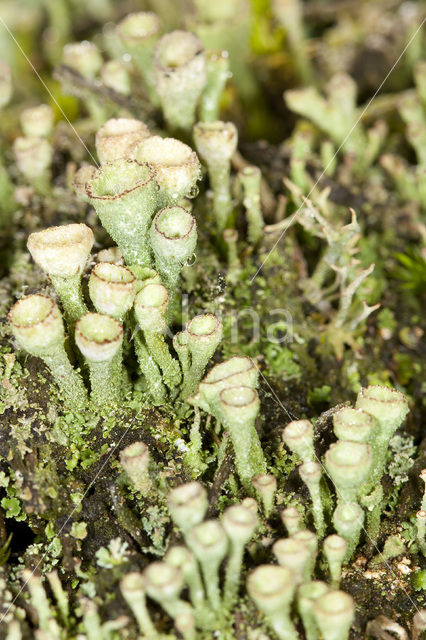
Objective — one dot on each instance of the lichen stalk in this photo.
(307, 593)
(124, 195)
(100, 338)
(173, 236)
(204, 334)
(239, 523)
(239, 407)
(216, 142)
(348, 520)
(37, 325)
(139, 33)
(177, 168)
(180, 76)
(310, 472)
(184, 560)
(209, 544)
(217, 65)
(150, 370)
(62, 253)
(335, 548)
(272, 589)
(132, 587)
(150, 309)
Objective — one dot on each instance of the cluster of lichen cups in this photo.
(140, 193)
(127, 195)
(355, 463)
(209, 544)
(118, 294)
(277, 590)
(187, 82)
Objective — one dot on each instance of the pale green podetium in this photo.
(182, 558)
(348, 520)
(176, 166)
(299, 438)
(250, 179)
(185, 624)
(150, 309)
(132, 587)
(115, 75)
(48, 624)
(144, 276)
(272, 590)
(239, 523)
(135, 460)
(309, 539)
(307, 593)
(85, 58)
(37, 121)
(230, 237)
(163, 583)
(173, 237)
(180, 76)
(359, 426)
(33, 158)
(216, 142)
(37, 325)
(265, 485)
(148, 365)
(139, 33)
(354, 424)
(291, 520)
(389, 407)
(335, 548)
(62, 253)
(99, 339)
(118, 138)
(112, 289)
(349, 465)
(217, 75)
(188, 505)
(203, 335)
(293, 555)
(290, 16)
(180, 345)
(310, 472)
(238, 370)
(334, 613)
(239, 407)
(124, 194)
(209, 544)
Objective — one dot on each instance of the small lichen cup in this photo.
(99, 338)
(112, 289)
(37, 325)
(180, 76)
(177, 168)
(119, 137)
(62, 252)
(124, 195)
